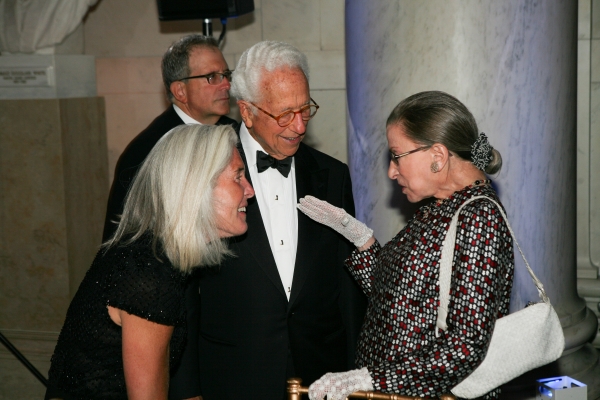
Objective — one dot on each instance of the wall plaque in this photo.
(26, 76)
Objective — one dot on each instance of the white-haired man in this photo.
(284, 305)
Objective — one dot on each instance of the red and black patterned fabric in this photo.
(398, 344)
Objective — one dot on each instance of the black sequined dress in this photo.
(398, 344)
(87, 361)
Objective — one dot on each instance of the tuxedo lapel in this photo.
(310, 180)
(255, 240)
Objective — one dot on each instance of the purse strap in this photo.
(447, 258)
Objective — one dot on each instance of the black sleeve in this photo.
(185, 382)
(130, 161)
(148, 288)
(125, 171)
(116, 199)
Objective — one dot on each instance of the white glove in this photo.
(336, 218)
(339, 385)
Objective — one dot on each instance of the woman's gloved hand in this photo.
(339, 385)
(336, 218)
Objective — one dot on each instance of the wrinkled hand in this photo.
(339, 385)
(336, 218)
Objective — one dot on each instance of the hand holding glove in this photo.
(339, 385)
(336, 218)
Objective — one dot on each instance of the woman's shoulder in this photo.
(486, 210)
(141, 248)
(142, 259)
(485, 206)
(144, 282)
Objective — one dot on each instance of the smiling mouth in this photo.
(293, 139)
(242, 209)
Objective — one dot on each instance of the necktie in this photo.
(264, 161)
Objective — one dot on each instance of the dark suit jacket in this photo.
(131, 159)
(250, 335)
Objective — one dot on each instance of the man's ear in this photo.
(440, 155)
(246, 113)
(179, 91)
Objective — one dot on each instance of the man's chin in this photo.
(291, 153)
(223, 111)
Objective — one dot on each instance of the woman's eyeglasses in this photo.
(396, 157)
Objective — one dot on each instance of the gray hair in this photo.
(172, 195)
(437, 117)
(263, 56)
(175, 61)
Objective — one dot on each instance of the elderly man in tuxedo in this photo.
(284, 305)
(196, 79)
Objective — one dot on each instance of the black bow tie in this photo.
(264, 161)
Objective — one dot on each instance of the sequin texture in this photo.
(87, 361)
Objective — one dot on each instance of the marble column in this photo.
(513, 63)
(588, 166)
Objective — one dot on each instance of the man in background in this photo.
(197, 82)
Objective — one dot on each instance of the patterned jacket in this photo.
(398, 344)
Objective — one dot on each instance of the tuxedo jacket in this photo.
(131, 159)
(251, 338)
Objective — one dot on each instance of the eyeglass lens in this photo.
(217, 77)
(396, 157)
(306, 112)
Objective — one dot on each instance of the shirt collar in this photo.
(184, 117)
(251, 146)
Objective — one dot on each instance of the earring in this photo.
(435, 167)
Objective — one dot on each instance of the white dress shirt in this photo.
(186, 118)
(276, 197)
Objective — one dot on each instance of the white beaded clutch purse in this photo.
(521, 341)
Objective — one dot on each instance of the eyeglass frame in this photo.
(210, 75)
(396, 157)
(278, 117)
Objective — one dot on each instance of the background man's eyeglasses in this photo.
(396, 157)
(284, 119)
(214, 78)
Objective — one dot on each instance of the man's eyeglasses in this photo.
(214, 78)
(396, 157)
(284, 119)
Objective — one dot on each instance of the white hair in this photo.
(172, 195)
(263, 56)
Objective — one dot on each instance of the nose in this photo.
(392, 170)
(298, 125)
(226, 83)
(248, 189)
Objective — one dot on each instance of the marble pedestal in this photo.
(53, 190)
(514, 64)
